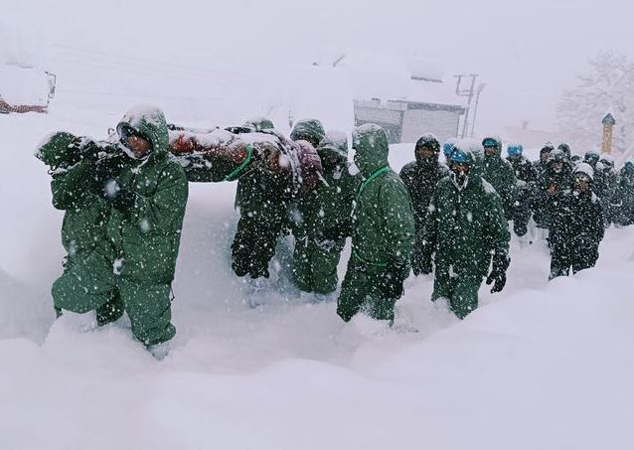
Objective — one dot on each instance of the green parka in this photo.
(325, 220)
(136, 270)
(464, 228)
(85, 214)
(147, 238)
(382, 229)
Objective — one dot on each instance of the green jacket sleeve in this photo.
(498, 226)
(398, 220)
(162, 213)
(70, 188)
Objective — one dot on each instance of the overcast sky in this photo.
(527, 52)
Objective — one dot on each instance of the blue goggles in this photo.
(592, 156)
(514, 150)
(458, 156)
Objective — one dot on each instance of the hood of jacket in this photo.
(149, 122)
(371, 148)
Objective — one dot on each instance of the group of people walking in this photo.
(125, 199)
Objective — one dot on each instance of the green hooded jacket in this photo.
(327, 210)
(147, 237)
(383, 218)
(86, 215)
(325, 220)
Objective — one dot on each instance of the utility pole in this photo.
(466, 93)
(475, 109)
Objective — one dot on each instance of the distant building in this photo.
(407, 120)
(407, 99)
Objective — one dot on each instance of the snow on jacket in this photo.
(147, 238)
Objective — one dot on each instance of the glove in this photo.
(498, 272)
(391, 283)
(107, 169)
(123, 200)
(90, 148)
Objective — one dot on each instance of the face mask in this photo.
(460, 178)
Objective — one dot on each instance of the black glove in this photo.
(90, 148)
(391, 283)
(107, 169)
(123, 200)
(498, 272)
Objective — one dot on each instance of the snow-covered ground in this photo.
(539, 366)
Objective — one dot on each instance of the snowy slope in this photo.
(540, 366)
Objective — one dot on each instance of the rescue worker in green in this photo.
(72, 161)
(464, 228)
(147, 197)
(500, 174)
(261, 197)
(324, 220)
(421, 178)
(382, 232)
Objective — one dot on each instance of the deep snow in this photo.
(539, 366)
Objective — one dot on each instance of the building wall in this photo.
(406, 121)
(444, 124)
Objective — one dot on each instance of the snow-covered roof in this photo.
(389, 78)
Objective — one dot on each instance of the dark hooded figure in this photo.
(324, 220)
(262, 198)
(499, 173)
(625, 212)
(577, 226)
(421, 178)
(541, 164)
(465, 233)
(552, 183)
(609, 188)
(526, 175)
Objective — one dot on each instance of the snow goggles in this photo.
(515, 150)
(592, 157)
(126, 132)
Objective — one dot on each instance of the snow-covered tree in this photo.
(607, 87)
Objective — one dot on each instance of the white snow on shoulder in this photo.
(368, 128)
(488, 188)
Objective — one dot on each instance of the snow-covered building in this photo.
(407, 100)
